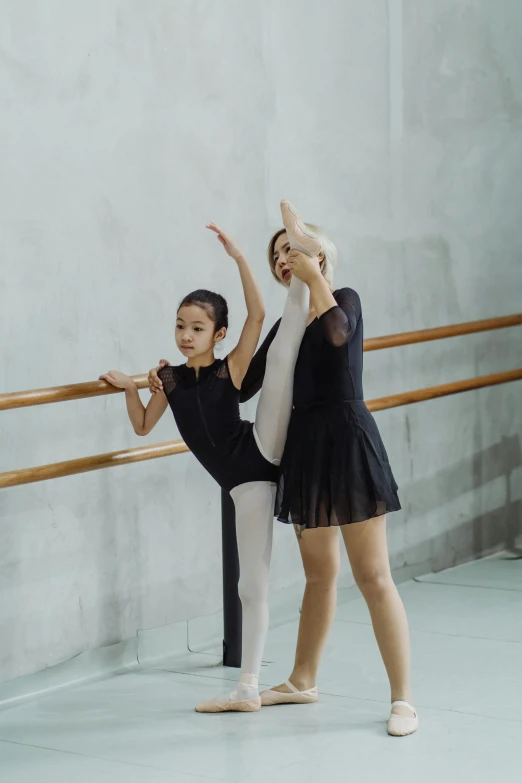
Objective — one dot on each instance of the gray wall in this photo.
(125, 126)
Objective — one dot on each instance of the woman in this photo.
(334, 473)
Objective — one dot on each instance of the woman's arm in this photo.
(308, 270)
(240, 358)
(338, 318)
(340, 322)
(142, 419)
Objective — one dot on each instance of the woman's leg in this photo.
(320, 554)
(368, 554)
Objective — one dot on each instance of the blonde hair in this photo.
(328, 249)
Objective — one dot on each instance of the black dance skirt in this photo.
(335, 469)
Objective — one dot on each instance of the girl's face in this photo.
(196, 331)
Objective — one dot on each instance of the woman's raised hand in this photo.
(303, 267)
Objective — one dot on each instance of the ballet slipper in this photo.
(269, 697)
(402, 725)
(244, 698)
(225, 704)
(299, 235)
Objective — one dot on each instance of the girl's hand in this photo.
(227, 242)
(118, 379)
(155, 385)
(303, 267)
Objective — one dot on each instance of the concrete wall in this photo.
(125, 126)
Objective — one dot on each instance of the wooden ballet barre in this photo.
(78, 391)
(440, 332)
(112, 459)
(83, 465)
(444, 390)
(73, 391)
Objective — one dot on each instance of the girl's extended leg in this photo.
(275, 402)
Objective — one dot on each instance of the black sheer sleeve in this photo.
(339, 323)
(255, 374)
(168, 377)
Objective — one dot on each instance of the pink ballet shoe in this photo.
(402, 725)
(224, 704)
(269, 697)
(299, 236)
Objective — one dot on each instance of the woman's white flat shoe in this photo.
(402, 725)
(270, 697)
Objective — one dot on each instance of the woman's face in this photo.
(281, 268)
(281, 250)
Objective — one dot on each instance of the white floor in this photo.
(466, 629)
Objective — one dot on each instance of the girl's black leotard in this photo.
(206, 409)
(335, 469)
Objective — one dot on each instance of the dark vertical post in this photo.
(232, 615)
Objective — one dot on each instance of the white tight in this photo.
(254, 501)
(275, 402)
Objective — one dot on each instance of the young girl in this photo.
(241, 456)
(334, 474)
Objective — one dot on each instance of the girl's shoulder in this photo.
(221, 369)
(181, 375)
(170, 377)
(171, 370)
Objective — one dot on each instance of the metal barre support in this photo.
(232, 612)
